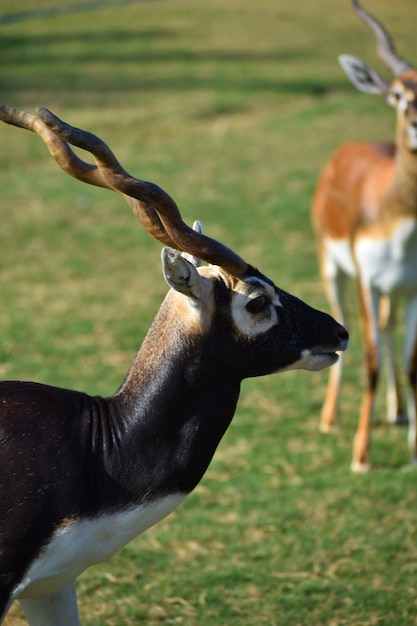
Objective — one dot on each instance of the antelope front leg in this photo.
(329, 412)
(54, 609)
(335, 282)
(369, 302)
(396, 413)
(411, 369)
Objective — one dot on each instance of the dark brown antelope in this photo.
(365, 216)
(81, 476)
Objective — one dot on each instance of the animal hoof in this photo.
(357, 467)
(398, 419)
(402, 419)
(328, 428)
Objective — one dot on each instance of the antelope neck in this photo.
(168, 417)
(401, 195)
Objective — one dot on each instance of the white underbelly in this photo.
(81, 543)
(339, 258)
(390, 265)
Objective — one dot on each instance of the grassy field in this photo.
(233, 107)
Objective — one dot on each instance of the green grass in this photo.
(233, 107)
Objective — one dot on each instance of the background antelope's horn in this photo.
(385, 46)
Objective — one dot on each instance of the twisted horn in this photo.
(385, 45)
(154, 208)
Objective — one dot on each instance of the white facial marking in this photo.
(397, 96)
(412, 136)
(404, 100)
(402, 104)
(256, 323)
(82, 543)
(313, 361)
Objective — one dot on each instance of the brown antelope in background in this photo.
(365, 217)
(81, 476)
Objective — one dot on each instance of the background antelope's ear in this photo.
(362, 75)
(198, 228)
(180, 274)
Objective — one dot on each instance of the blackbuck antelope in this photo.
(81, 476)
(365, 215)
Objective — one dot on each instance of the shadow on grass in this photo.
(175, 70)
(79, 7)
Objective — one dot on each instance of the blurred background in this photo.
(233, 107)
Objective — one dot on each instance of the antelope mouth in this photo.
(328, 350)
(320, 357)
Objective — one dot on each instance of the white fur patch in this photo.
(251, 324)
(338, 257)
(81, 543)
(314, 361)
(412, 136)
(390, 265)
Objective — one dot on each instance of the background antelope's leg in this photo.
(55, 609)
(396, 413)
(335, 281)
(411, 369)
(369, 301)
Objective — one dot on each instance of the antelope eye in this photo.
(257, 305)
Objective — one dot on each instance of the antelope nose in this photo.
(343, 336)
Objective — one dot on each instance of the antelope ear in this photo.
(363, 76)
(180, 274)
